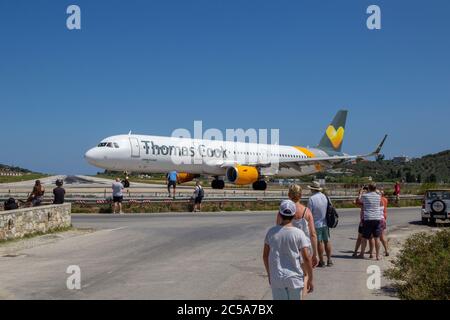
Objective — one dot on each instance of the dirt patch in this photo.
(11, 249)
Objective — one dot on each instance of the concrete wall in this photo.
(21, 222)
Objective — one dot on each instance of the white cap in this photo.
(287, 208)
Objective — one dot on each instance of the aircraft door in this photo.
(135, 147)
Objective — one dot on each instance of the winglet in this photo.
(377, 151)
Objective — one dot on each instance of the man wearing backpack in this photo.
(318, 204)
(199, 193)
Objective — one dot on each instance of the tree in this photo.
(432, 178)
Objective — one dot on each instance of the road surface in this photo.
(177, 256)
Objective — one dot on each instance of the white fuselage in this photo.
(155, 154)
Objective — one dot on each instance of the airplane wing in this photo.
(328, 161)
(297, 164)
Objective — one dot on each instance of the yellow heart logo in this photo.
(335, 137)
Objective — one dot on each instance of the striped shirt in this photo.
(371, 203)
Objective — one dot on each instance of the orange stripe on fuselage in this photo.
(307, 152)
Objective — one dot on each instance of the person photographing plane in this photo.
(117, 188)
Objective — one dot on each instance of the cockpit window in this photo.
(109, 145)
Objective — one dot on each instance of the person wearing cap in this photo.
(59, 192)
(285, 246)
(318, 204)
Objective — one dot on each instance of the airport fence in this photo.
(216, 198)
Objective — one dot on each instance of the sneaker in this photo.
(330, 263)
(321, 264)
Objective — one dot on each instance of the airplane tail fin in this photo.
(334, 134)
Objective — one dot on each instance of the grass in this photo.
(228, 206)
(422, 269)
(25, 177)
(37, 234)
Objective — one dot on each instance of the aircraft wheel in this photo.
(218, 184)
(260, 185)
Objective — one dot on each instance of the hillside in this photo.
(427, 169)
(10, 174)
(5, 168)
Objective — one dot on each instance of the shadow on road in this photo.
(437, 224)
(388, 291)
(344, 256)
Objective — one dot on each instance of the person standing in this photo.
(117, 188)
(172, 182)
(303, 220)
(199, 193)
(384, 202)
(371, 204)
(360, 228)
(397, 190)
(59, 192)
(318, 204)
(284, 247)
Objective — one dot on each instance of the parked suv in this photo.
(436, 205)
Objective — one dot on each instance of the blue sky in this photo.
(154, 66)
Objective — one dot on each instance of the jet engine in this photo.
(242, 175)
(183, 177)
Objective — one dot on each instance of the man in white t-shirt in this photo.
(284, 247)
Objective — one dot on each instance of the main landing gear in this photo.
(218, 184)
(260, 185)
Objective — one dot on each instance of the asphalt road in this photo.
(179, 256)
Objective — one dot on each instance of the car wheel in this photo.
(425, 221)
(432, 221)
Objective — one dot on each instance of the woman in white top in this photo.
(304, 221)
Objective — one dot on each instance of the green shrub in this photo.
(422, 269)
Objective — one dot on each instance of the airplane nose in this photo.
(90, 156)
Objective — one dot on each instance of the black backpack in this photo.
(332, 215)
(201, 192)
(10, 204)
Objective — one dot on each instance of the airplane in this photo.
(240, 163)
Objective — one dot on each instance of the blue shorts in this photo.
(287, 293)
(323, 234)
(371, 228)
